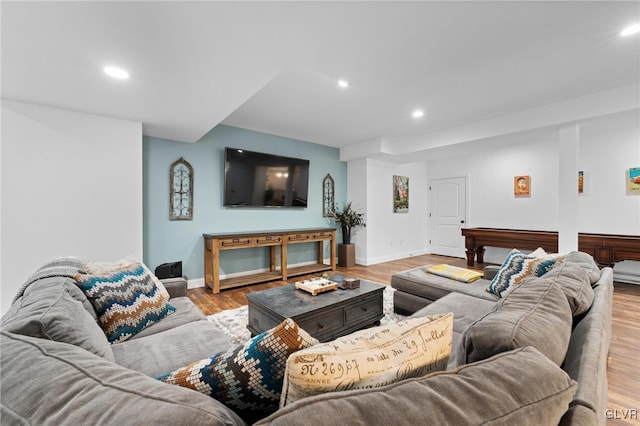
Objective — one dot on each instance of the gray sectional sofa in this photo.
(57, 368)
(584, 360)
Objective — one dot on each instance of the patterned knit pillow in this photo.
(126, 300)
(247, 378)
(518, 266)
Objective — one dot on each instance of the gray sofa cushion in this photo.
(169, 350)
(574, 281)
(53, 284)
(485, 392)
(47, 310)
(466, 310)
(58, 269)
(186, 312)
(535, 313)
(585, 261)
(45, 382)
(429, 286)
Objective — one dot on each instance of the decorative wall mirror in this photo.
(328, 196)
(181, 190)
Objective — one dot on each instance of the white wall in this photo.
(608, 147)
(390, 235)
(71, 185)
(490, 184)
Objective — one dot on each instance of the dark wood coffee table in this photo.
(326, 316)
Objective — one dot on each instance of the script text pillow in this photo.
(126, 300)
(518, 266)
(247, 378)
(370, 358)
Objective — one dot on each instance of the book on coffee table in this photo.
(316, 285)
(455, 273)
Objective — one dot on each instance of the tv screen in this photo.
(256, 179)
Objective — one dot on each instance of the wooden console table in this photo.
(607, 249)
(214, 243)
(475, 239)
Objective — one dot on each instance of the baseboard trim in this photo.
(390, 257)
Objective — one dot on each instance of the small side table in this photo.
(346, 255)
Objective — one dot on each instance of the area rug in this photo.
(234, 321)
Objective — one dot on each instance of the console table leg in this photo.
(320, 252)
(283, 261)
(215, 251)
(272, 258)
(332, 250)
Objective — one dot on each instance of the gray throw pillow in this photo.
(535, 313)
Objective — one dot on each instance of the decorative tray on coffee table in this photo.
(316, 286)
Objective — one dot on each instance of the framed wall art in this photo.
(181, 190)
(400, 194)
(633, 181)
(580, 182)
(522, 186)
(328, 196)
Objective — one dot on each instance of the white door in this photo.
(448, 214)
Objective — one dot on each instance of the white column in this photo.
(357, 193)
(569, 140)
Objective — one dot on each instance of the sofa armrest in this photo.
(490, 271)
(177, 287)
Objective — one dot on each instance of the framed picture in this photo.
(181, 190)
(633, 180)
(522, 186)
(400, 194)
(580, 182)
(328, 196)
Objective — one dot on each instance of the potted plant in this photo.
(347, 218)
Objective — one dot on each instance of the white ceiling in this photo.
(273, 66)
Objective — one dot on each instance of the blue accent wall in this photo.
(167, 241)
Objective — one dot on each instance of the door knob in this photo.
(462, 221)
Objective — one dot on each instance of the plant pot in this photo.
(346, 235)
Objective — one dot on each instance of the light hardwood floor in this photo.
(624, 356)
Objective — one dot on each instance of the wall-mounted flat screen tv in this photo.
(257, 179)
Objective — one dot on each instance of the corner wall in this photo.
(607, 147)
(388, 235)
(71, 185)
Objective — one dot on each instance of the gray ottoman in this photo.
(415, 288)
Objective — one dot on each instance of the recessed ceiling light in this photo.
(630, 30)
(343, 84)
(116, 72)
(417, 113)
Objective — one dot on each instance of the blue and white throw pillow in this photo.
(518, 266)
(126, 300)
(249, 377)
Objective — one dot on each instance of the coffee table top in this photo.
(290, 302)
